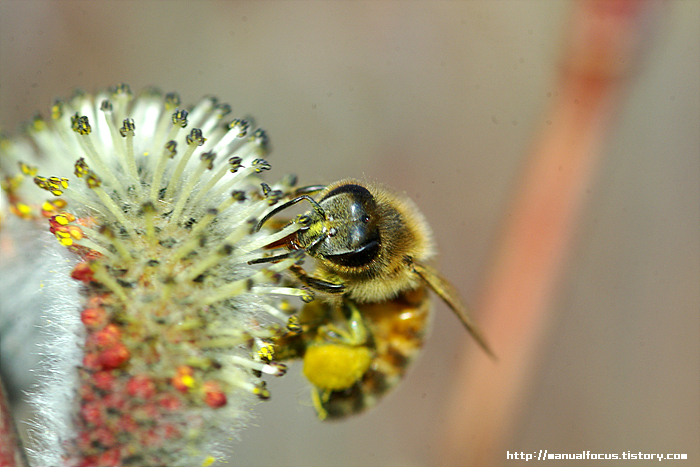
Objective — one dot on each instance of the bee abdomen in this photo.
(397, 328)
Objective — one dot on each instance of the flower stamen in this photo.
(94, 182)
(194, 141)
(127, 131)
(206, 163)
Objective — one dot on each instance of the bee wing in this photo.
(449, 295)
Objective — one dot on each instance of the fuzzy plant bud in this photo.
(127, 233)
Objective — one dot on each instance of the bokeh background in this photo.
(441, 100)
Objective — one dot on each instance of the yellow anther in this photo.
(57, 185)
(293, 324)
(63, 182)
(28, 169)
(75, 232)
(64, 238)
(54, 185)
(49, 208)
(261, 391)
(81, 168)
(61, 220)
(266, 353)
(21, 210)
(93, 181)
(187, 380)
(41, 182)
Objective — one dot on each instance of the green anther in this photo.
(260, 165)
(274, 196)
(223, 110)
(57, 110)
(307, 296)
(81, 125)
(208, 157)
(238, 195)
(195, 137)
(38, 124)
(235, 163)
(148, 207)
(128, 127)
(74, 122)
(171, 147)
(259, 137)
(172, 101)
(180, 118)
(121, 89)
(241, 125)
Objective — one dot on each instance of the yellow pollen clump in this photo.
(336, 367)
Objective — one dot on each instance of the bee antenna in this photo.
(317, 208)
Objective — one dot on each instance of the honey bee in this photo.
(370, 247)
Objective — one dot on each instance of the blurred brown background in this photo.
(440, 100)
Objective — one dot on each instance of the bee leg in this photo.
(350, 332)
(316, 283)
(358, 331)
(318, 397)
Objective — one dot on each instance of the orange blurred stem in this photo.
(539, 231)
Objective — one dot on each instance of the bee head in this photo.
(344, 229)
